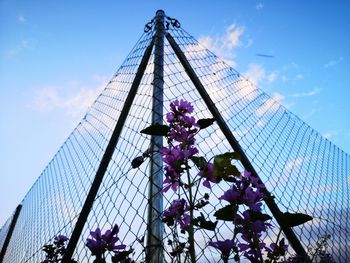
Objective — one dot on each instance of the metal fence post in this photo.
(154, 252)
(290, 235)
(9, 233)
(106, 157)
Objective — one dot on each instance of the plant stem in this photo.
(190, 227)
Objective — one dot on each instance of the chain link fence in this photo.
(305, 172)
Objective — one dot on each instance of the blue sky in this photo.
(55, 56)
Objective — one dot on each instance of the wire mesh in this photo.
(4, 231)
(305, 172)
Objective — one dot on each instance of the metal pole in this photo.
(106, 157)
(9, 233)
(154, 252)
(292, 238)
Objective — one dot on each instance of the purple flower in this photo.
(182, 130)
(61, 238)
(243, 192)
(181, 106)
(208, 174)
(176, 212)
(110, 238)
(97, 247)
(99, 243)
(255, 182)
(224, 246)
(248, 225)
(277, 250)
(231, 195)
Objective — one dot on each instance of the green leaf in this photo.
(157, 129)
(202, 223)
(223, 167)
(205, 123)
(226, 158)
(199, 161)
(232, 170)
(232, 155)
(227, 213)
(294, 219)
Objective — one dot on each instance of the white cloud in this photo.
(300, 76)
(73, 98)
(223, 45)
(21, 19)
(310, 113)
(270, 104)
(255, 73)
(333, 63)
(327, 135)
(233, 35)
(23, 45)
(294, 164)
(271, 77)
(259, 6)
(333, 134)
(249, 43)
(313, 92)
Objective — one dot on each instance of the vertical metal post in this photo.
(292, 238)
(154, 251)
(106, 157)
(9, 233)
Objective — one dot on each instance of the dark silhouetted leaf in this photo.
(157, 129)
(205, 123)
(120, 256)
(137, 162)
(200, 161)
(202, 223)
(294, 219)
(227, 213)
(255, 215)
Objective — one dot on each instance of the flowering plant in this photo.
(100, 243)
(243, 199)
(54, 252)
(243, 209)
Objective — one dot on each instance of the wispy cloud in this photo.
(257, 74)
(270, 104)
(232, 37)
(299, 76)
(23, 45)
(21, 19)
(333, 63)
(259, 6)
(224, 45)
(327, 135)
(73, 98)
(271, 77)
(310, 113)
(310, 93)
